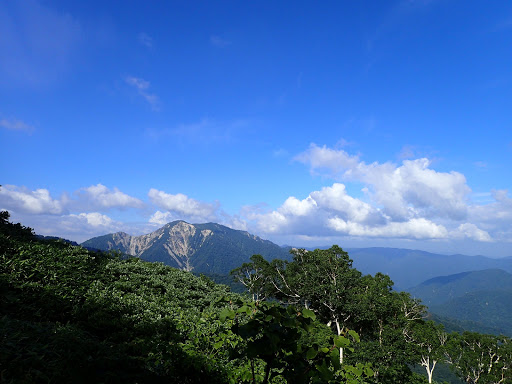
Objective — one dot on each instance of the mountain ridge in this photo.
(212, 248)
(202, 248)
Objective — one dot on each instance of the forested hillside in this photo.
(478, 300)
(69, 315)
(442, 289)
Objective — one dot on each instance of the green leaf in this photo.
(226, 313)
(308, 314)
(341, 342)
(354, 335)
(311, 353)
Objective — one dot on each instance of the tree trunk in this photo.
(430, 371)
(338, 328)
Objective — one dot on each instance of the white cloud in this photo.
(100, 197)
(77, 227)
(408, 191)
(94, 219)
(142, 87)
(335, 199)
(494, 217)
(332, 212)
(183, 207)
(498, 212)
(16, 125)
(161, 218)
(471, 231)
(410, 201)
(313, 215)
(23, 200)
(40, 202)
(412, 229)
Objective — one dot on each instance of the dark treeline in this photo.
(68, 314)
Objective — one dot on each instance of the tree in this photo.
(14, 231)
(430, 340)
(254, 276)
(275, 346)
(321, 280)
(479, 358)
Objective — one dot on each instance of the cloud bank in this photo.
(407, 201)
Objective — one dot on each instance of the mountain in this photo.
(203, 248)
(441, 289)
(408, 268)
(492, 309)
(479, 301)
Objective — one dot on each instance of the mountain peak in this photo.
(208, 248)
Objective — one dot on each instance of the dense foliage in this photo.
(72, 315)
(392, 326)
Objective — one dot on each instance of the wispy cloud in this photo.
(218, 41)
(206, 132)
(142, 87)
(16, 125)
(145, 40)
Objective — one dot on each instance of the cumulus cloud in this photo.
(494, 217)
(498, 212)
(412, 229)
(471, 231)
(23, 200)
(181, 206)
(331, 212)
(142, 87)
(410, 190)
(94, 219)
(100, 197)
(40, 202)
(162, 218)
(409, 200)
(78, 227)
(312, 215)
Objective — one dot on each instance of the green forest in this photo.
(71, 315)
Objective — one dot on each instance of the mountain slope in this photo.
(441, 289)
(408, 268)
(202, 248)
(479, 301)
(492, 308)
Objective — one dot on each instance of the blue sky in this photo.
(307, 123)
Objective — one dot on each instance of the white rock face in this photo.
(177, 239)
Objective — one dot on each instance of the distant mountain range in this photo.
(470, 292)
(408, 268)
(480, 300)
(202, 248)
(216, 249)
(443, 289)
